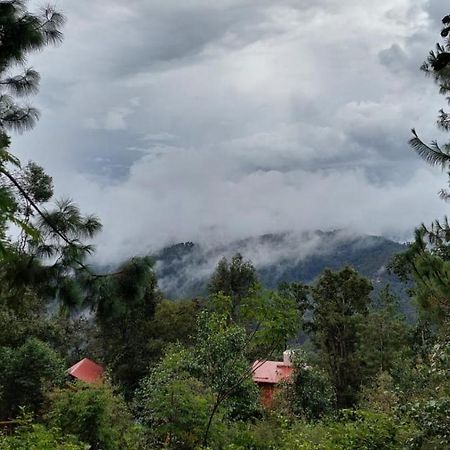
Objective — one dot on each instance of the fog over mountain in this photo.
(183, 269)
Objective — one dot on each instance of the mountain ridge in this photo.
(184, 268)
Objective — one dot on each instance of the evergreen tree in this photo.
(428, 259)
(124, 307)
(340, 302)
(21, 32)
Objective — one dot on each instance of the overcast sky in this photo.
(179, 120)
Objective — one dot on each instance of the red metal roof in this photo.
(271, 371)
(86, 370)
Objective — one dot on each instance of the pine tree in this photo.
(427, 261)
(124, 306)
(437, 66)
(21, 32)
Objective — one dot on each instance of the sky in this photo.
(223, 119)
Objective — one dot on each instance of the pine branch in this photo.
(432, 154)
(27, 83)
(55, 229)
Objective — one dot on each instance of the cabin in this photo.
(87, 371)
(268, 374)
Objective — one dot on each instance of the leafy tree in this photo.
(427, 266)
(220, 353)
(339, 304)
(94, 415)
(218, 361)
(227, 345)
(173, 322)
(309, 395)
(383, 340)
(236, 279)
(174, 404)
(296, 291)
(26, 373)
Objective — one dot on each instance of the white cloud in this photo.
(244, 117)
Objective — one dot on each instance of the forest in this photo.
(178, 374)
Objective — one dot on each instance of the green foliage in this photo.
(124, 309)
(173, 404)
(340, 303)
(354, 430)
(94, 415)
(438, 66)
(383, 338)
(236, 280)
(432, 418)
(219, 351)
(366, 430)
(269, 318)
(32, 436)
(427, 264)
(296, 291)
(429, 406)
(26, 373)
(381, 396)
(272, 319)
(309, 395)
(51, 265)
(173, 322)
(256, 435)
(64, 232)
(22, 32)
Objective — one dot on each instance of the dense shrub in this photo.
(174, 405)
(32, 436)
(95, 415)
(310, 394)
(26, 373)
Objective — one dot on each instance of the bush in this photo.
(355, 430)
(433, 420)
(367, 430)
(310, 395)
(26, 373)
(31, 436)
(258, 435)
(95, 415)
(174, 405)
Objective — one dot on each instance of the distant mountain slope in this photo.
(183, 269)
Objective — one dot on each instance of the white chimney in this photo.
(287, 357)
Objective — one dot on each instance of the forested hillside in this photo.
(184, 269)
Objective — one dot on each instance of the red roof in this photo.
(86, 370)
(271, 371)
